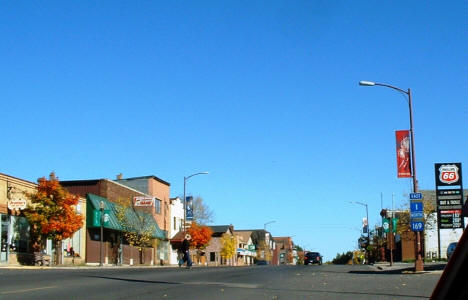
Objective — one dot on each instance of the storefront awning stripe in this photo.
(94, 202)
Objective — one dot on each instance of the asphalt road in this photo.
(256, 282)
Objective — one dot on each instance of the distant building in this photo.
(213, 250)
(284, 246)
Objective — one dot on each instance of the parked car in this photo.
(262, 262)
(451, 247)
(312, 258)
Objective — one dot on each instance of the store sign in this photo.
(17, 204)
(449, 193)
(142, 201)
(448, 174)
(450, 219)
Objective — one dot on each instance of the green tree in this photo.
(137, 226)
(343, 258)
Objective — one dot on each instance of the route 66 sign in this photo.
(448, 174)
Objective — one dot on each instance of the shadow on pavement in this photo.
(135, 280)
(407, 270)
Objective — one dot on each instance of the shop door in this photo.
(3, 237)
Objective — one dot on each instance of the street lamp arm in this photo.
(393, 87)
(199, 173)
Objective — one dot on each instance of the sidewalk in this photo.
(82, 267)
(408, 268)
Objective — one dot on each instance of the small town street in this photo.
(255, 282)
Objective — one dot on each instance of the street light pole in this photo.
(418, 265)
(101, 209)
(367, 218)
(185, 181)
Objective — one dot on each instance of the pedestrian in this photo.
(185, 249)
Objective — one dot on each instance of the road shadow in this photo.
(136, 280)
(408, 270)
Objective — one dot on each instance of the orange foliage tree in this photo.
(52, 214)
(201, 236)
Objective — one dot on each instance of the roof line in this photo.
(148, 176)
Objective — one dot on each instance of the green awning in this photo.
(93, 202)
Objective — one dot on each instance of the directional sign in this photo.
(415, 196)
(416, 209)
(417, 226)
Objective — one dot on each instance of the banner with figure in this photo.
(189, 208)
(403, 153)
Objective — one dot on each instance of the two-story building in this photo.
(116, 249)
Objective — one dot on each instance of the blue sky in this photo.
(264, 95)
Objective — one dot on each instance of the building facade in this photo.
(213, 250)
(176, 222)
(15, 244)
(116, 249)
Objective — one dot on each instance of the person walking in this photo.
(186, 252)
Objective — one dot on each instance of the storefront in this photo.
(14, 228)
(116, 250)
(15, 244)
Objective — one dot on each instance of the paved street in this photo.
(257, 282)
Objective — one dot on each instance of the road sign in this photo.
(417, 225)
(415, 196)
(416, 209)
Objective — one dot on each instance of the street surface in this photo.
(256, 282)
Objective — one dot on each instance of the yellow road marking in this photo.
(29, 290)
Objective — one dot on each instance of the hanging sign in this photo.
(403, 153)
(142, 201)
(17, 204)
(189, 208)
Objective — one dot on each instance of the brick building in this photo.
(115, 248)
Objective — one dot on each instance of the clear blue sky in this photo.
(264, 95)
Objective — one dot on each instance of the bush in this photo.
(343, 258)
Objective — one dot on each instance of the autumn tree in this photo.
(404, 218)
(52, 214)
(137, 226)
(228, 244)
(201, 236)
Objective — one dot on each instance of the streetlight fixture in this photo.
(418, 265)
(367, 218)
(264, 225)
(101, 208)
(185, 202)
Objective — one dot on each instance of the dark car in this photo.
(312, 258)
(451, 247)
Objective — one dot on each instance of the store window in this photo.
(71, 246)
(3, 236)
(157, 206)
(19, 227)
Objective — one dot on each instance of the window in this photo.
(157, 206)
(175, 223)
(212, 256)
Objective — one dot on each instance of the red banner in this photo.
(403, 153)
